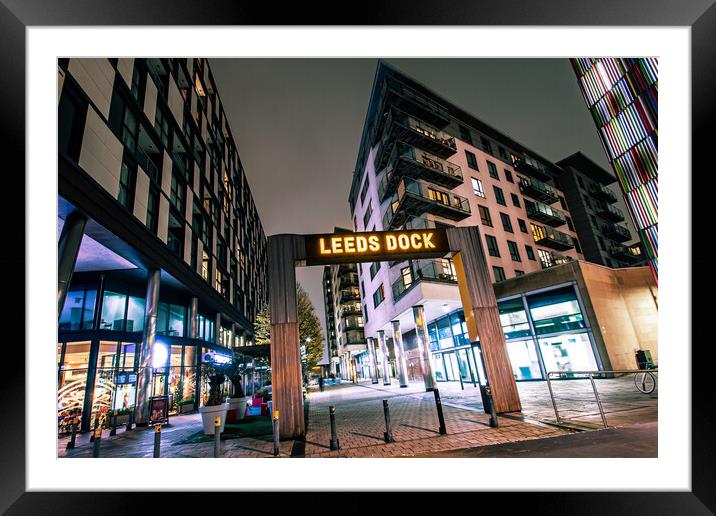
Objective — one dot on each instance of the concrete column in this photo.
(217, 326)
(421, 327)
(384, 351)
(67, 249)
(400, 358)
(194, 318)
(144, 376)
(373, 360)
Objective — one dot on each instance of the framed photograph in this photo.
(477, 191)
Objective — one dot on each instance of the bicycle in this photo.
(645, 381)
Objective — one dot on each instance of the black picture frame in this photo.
(17, 15)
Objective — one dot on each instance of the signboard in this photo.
(158, 409)
(126, 377)
(375, 246)
(124, 399)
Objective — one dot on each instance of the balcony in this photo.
(602, 193)
(552, 238)
(348, 280)
(531, 167)
(347, 295)
(348, 325)
(538, 190)
(625, 253)
(397, 94)
(609, 212)
(407, 161)
(616, 232)
(551, 259)
(349, 309)
(424, 270)
(400, 126)
(415, 198)
(544, 213)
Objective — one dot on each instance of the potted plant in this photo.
(238, 400)
(215, 406)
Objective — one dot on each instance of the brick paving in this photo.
(360, 422)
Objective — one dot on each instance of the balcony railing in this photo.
(348, 280)
(551, 259)
(424, 270)
(552, 238)
(538, 190)
(603, 193)
(609, 212)
(347, 295)
(616, 232)
(544, 213)
(349, 309)
(397, 94)
(407, 161)
(531, 167)
(415, 198)
(401, 126)
(625, 253)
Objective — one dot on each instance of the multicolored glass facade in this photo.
(622, 95)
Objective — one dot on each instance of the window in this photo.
(177, 194)
(499, 273)
(492, 170)
(519, 273)
(503, 152)
(499, 196)
(367, 214)
(485, 215)
(152, 210)
(515, 200)
(545, 258)
(161, 124)
(364, 191)
(486, 145)
(113, 309)
(205, 266)
(130, 130)
(465, 135)
(506, 222)
(569, 223)
(530, 252)
(378, 296)
(492, 248)
(471, 160)
(514, 251)
(374, 267)
(407, 275)
(562, 203)
(477, 187)
(71, 117)
(438, 196)
(78, 312)
(126, 186)
(523, 226)
(508, 176)
(576, 245)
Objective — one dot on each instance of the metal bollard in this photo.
(439, 406)
(71, 444)
(114, 423)
(388, 434)
(493, 413)
(217, 437)
(130, 420)
(276, 450)
(334, 445)
(157, 440)
(97, 435)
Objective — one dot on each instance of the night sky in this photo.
(297, 124)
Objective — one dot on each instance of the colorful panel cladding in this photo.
(622, 96)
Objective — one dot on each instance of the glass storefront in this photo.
(572, 352)
(524, 359)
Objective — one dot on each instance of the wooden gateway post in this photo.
(286, 252)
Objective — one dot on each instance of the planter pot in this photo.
(183, 409)
(237, 408)
(209, 413)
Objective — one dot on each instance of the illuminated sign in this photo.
(375, 246)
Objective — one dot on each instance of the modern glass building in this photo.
(622, 96)
(162, 257)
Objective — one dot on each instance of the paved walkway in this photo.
(360, 422)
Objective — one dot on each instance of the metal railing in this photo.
(590, 375)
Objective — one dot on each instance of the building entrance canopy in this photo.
(285, 252)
